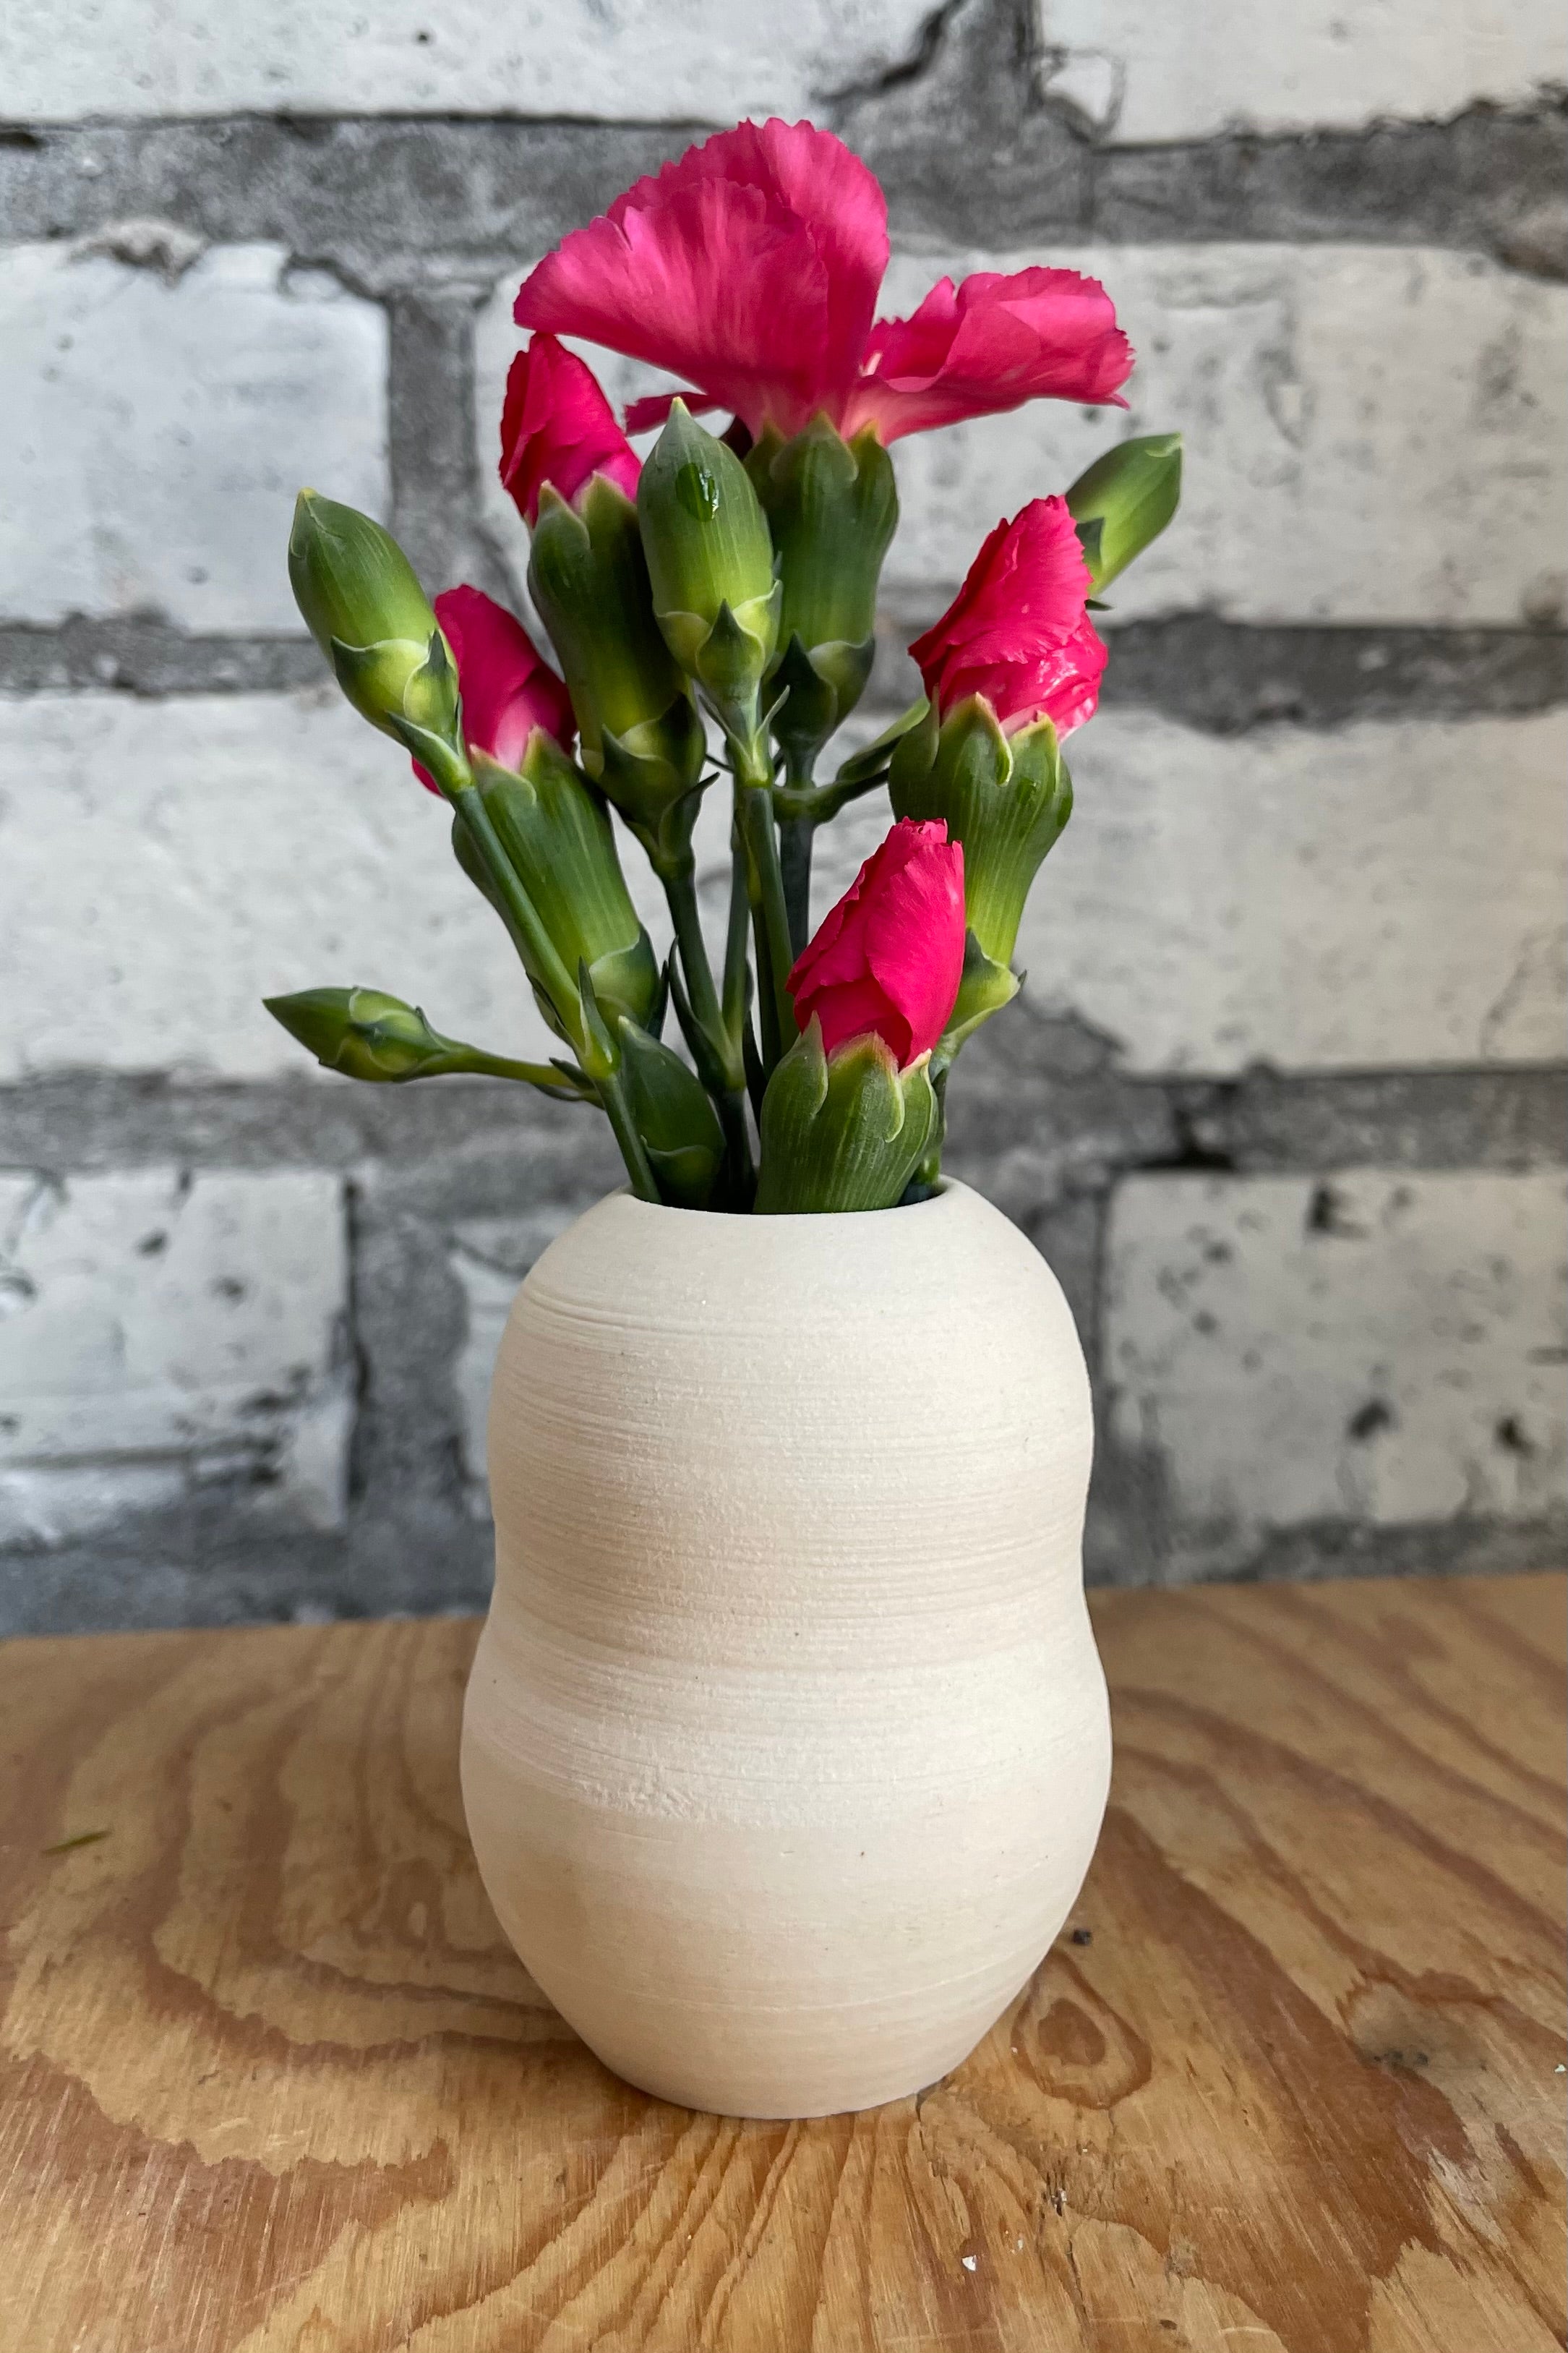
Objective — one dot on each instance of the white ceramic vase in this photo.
(787, 1748)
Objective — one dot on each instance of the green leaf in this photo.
(675, 1118)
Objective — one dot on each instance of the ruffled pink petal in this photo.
(835, 954)
(750, 266)
(1058, 679)
(989, 345)
(508, 689)
(558, 428)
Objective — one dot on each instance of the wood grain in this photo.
(270, 2079)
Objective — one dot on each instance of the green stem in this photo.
(680, 890)
(797, 836)
(617, 1110)
(765, 879)
(929, 1170)
(731, 1112)
(736, 939)
(817, 804)
(680, 879)
(542, 1075)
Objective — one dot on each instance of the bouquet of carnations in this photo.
(712, 611)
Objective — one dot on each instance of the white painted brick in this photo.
(158, 1332)
(489, 1257)
(1380, 895)
(165, 866)
(1383, 895)
(632, 60)
(1372, 435)
(157, 432)
(1138, 71)
(1385, 1346)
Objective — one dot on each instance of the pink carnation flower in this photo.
(751, 269)
(889, 957)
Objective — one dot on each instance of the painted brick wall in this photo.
(1283, 1102)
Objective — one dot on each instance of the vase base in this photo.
(837, 2092)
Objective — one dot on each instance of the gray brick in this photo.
(964, 158)
(172, 863)
(1131, 71)
(1307, 901)
(1371, 436)
(565, 59)
(158, 430)
(159, 1333)
(1374, 1348)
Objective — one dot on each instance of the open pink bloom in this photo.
(750, 266)
(508, 689)
(1017, 631)
(751, 269)
(890, 956)
(556, 426)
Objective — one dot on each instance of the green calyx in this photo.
(1124, 500)
(557, 834)
(366, 1034)
(842, 1132)
(821, 685)
(1005, 798)
(642, 741)
(985, 989)
(363, 605)
(709, 561)
(832, 508)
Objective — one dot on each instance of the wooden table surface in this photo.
(1292, 2077)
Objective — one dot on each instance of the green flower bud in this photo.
(366, 1034)
(363, 1033)
(675, 1118)
(710, 560)
(363, 605)
(1004, 797)
(832, 508)
(642, 741)
(1124, 500)
(556, 832)
(845, 1131)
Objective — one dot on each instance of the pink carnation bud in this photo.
(508, 689)
(557, 427)
(1018, 631)
(889, 957)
